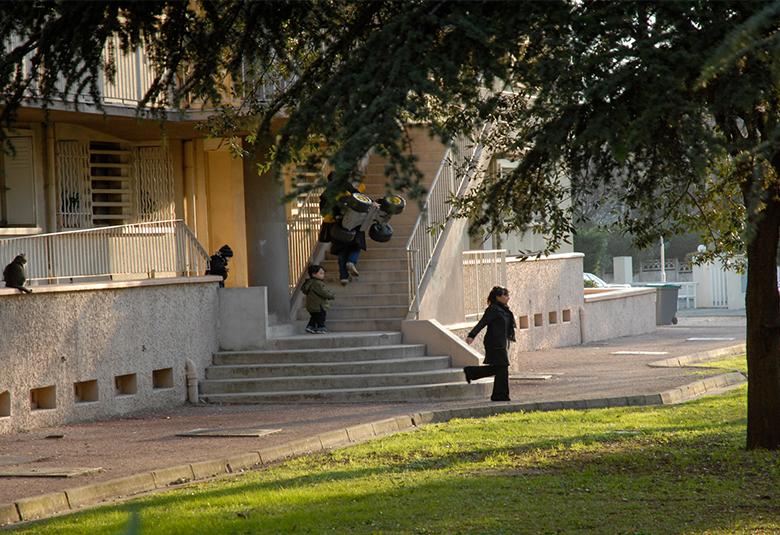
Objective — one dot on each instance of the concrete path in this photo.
(103, 461)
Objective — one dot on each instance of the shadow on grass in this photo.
(496, 475)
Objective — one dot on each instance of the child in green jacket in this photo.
(317, 299)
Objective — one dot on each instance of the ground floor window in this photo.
(17, 184)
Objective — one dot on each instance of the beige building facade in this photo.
(81, 170)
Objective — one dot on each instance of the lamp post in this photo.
(663, 261)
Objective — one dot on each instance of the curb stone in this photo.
(239, 463)
(207, 469)
(117, 488)
(9, 514)
(173, 476)
(698, 358)
(70, 500)
(42, 506)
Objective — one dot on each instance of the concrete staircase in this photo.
(336, 368)
(378, 300)
(363, 359)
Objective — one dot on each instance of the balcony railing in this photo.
(142, 250)
(135, 75)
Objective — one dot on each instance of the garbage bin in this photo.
(665, 303)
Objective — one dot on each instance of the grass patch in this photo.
(729, 364)
(732, 363)
(679, 469)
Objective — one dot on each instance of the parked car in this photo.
(592, 281)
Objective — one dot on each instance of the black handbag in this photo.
(324, 236)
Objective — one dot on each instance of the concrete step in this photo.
(308, 355)
(367, 263)
(396, 242)
(392, 305)
(362, 287)
(360, 299)
(407, 217)
(369, 312)
(428, 163)
(330, 382)
(424, 148)
(368, 277)
(384, 366)
(284, 329)
(338, 312)
(346, 326)
(413, 393)
(375, 253)
(375, 337)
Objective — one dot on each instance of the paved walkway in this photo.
(143, 452)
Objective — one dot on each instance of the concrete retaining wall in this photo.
(618, 312)
(545, 295)
(88, 351)
(547, 298)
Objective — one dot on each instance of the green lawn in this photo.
(679, 469)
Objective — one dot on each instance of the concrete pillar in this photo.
(702, 277)
(623, 269)
(266, 235)
(243, 324)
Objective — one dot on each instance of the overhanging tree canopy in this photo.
(659, 106)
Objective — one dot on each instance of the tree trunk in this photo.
(763, 331)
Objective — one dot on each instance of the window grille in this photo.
(74, 185)
(153, 173)
(110, 170)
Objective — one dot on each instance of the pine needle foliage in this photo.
(665, 113)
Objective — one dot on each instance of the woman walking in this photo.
(500, 324)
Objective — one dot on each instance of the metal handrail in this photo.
(448, 183)
(481, 271)
(302, 235)
(158, 249)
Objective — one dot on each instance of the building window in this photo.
(105, 184)
(17, 184)
(153, 170)
(75, 187)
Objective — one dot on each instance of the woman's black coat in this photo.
(500, 328)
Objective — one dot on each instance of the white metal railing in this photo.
(686, 295)
(456, 167)
(167, 248)
(302, 235)
(481, 271)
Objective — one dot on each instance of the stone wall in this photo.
(549, 302)
(545, 295)
(88, 351)
(612, 313)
